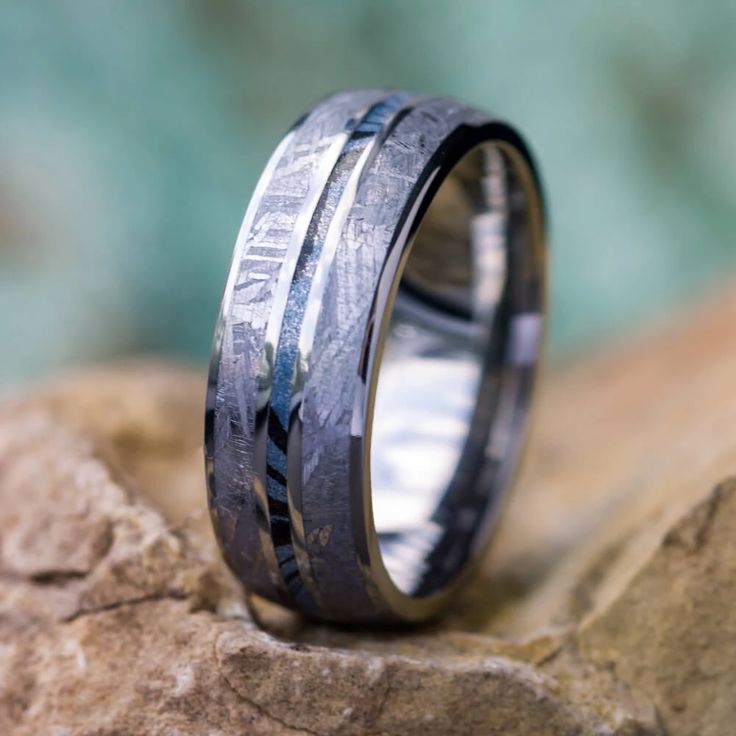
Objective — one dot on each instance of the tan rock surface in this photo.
(606, 606)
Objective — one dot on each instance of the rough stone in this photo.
(605, 607)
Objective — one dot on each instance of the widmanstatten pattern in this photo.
(235, 396)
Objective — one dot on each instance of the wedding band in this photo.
(375, 356)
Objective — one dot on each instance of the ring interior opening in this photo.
(456, 372)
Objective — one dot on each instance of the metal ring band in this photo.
(386, 230)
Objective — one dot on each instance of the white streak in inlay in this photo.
(258, 257)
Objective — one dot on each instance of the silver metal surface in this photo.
(375, 356)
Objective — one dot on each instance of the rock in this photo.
(605, 607)
(671, 634)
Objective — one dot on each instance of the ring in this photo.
(375, 356)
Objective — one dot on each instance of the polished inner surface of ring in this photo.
(375, 356)
(433, 360)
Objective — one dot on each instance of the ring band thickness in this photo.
(298, 347)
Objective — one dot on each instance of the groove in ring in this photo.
(282, 446)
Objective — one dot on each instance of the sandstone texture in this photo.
(606, 606)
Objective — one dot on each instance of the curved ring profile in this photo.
(390, 236)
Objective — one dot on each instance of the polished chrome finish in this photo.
(375, 356)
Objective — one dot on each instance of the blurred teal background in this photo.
(131, 135)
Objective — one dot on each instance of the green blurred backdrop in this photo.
(131, 135)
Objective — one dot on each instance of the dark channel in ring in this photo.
(383, 114)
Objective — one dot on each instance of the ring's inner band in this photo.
(456, 372)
